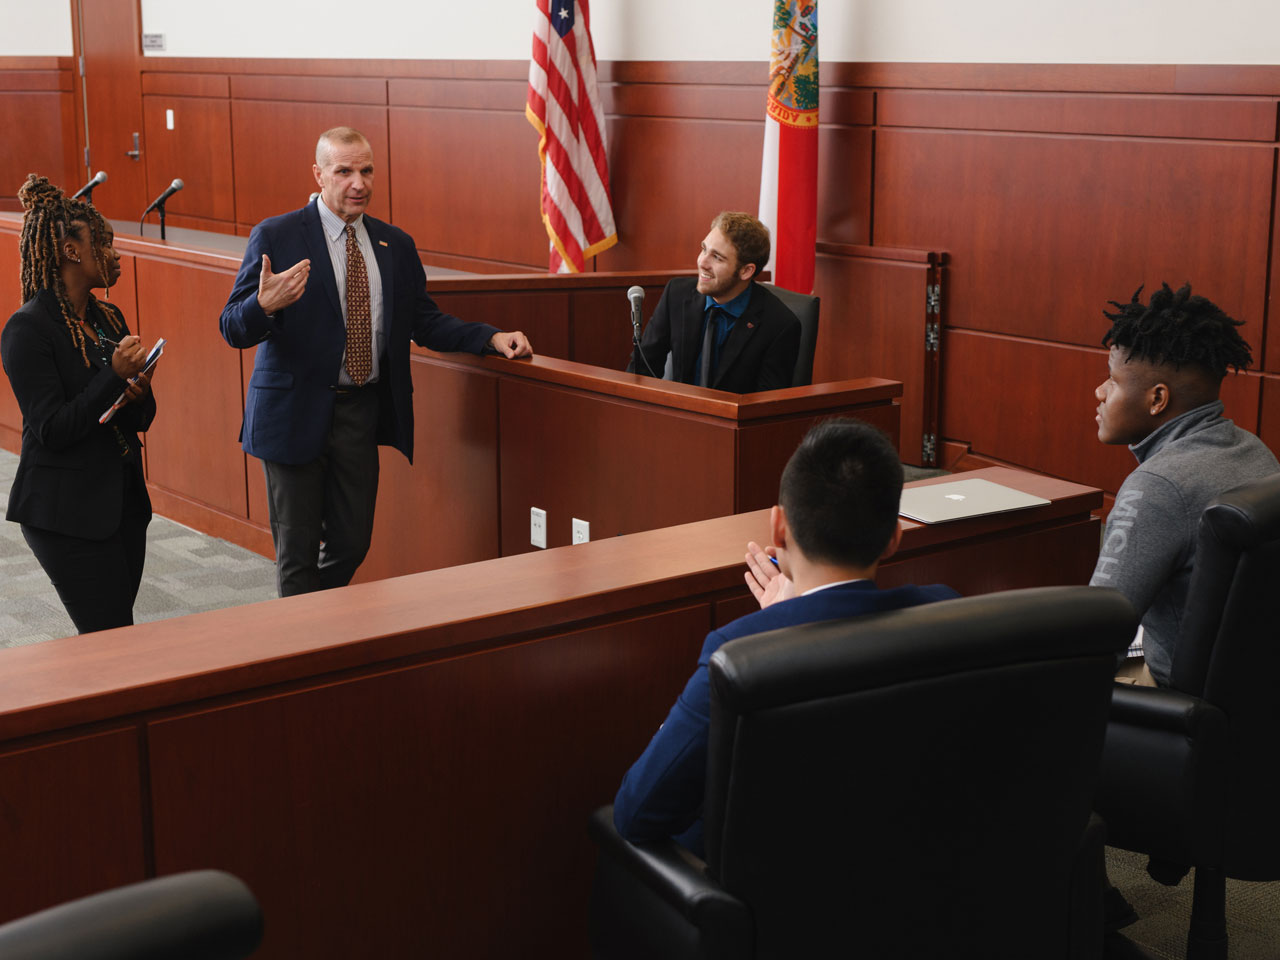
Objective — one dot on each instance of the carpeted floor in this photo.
(1253, 912)
(186, 572)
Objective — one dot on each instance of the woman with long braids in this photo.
(79, 491)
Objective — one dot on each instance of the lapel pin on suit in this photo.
(750, 325)
(382, 243)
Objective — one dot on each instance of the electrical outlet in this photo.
(581, 531)
(538, 527)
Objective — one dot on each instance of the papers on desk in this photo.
(150, 362)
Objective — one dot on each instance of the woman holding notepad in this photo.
(79, 491)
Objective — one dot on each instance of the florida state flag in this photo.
(789, 171)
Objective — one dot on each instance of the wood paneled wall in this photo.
(39, 116)
(1052, 188)
(1049, 204)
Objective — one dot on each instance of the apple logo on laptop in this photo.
(955, 496)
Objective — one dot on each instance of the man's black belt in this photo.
(352, 390)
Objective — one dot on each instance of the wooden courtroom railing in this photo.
(404, 768)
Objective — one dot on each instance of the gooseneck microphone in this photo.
(87, 190)
(169, 191)
(636, 295)
(158, 204)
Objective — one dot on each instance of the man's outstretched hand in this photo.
(767, 583)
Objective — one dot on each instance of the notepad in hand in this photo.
(150, 362)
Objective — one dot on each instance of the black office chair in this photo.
(201, 915)
(805, 307)
(1189, 773)
(908, 784)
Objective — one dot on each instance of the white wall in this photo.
(1040, 31)
(35, 28)
(1008, 31)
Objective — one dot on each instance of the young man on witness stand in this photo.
(722, 329)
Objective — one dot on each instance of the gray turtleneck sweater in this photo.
(1150, 542)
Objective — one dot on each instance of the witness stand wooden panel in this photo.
(586, 318)
(623, 452)
(415, 755)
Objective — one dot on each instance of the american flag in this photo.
(564, 107)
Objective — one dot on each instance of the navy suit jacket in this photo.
(661, 795)
(289, 400)
(760, 353)
(70, 476)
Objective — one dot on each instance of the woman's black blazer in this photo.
(70, 477)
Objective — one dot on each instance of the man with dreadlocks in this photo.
(78, 492)
(1168, 359)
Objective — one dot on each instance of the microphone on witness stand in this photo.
(87, 190)
(636, 295)
(158, 204)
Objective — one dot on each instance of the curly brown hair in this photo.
(748, 235)
(50, 217)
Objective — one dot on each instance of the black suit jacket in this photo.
(289, 402)
(760, 353)
(70, 477)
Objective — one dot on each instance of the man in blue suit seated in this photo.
(836, 519)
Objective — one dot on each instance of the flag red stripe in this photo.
(797, 207)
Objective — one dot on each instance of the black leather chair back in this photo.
(914, 783)
(1229, 655)
(805, 307)
(200, 915)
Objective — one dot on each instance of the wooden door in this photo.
(109, 35)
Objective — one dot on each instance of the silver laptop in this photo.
(958, 499)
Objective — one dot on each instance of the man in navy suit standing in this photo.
(331, 377)
(836, 519)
